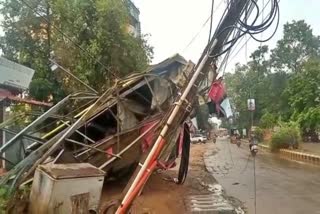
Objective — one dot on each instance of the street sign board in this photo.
(251, 104)
(15, 75)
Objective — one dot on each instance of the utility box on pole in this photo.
(66, 189)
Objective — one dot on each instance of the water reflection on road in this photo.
(283, 187)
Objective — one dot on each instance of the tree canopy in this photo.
(297, 46)
(90, 38)
(285, 81)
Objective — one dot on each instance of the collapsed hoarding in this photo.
(110, 131)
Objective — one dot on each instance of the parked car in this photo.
(197, 138)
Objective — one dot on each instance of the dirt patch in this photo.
(162, 195)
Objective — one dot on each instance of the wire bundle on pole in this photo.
(243, 27)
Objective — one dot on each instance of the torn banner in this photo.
(220, 104)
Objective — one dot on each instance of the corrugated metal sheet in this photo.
(168, 65)
(15, 75)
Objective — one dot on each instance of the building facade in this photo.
(134, 26)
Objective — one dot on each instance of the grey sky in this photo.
(173, 23)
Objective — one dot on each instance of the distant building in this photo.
(134, 27)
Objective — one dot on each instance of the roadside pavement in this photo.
(282, 186)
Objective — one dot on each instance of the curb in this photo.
(300, 156)
(264, 147)
(297, 156)
(293, 155)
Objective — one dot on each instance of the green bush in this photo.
(16, 202)
(4, 197)
(288, 136)
(268, 121)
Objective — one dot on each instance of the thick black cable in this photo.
(267, 21)
(274, 5)
(244, 23)
(225, 60)
(274, 32)
(247, 40)
(232, 41)
(211, 20)
(251, 33)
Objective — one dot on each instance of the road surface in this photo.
(283, 187)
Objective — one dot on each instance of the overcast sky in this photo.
(173, 23)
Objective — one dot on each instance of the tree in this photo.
(95, 44)
(297, 46)
(27, 41)
(268, 120)
(277, 100)
(100, 28)
(286, 87)
(250, 81)
(304, 95)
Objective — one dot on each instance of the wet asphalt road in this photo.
(283, 187)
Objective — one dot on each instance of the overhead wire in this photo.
(196, 35)
(246, 21)
(239, 48)
(211, 20)
(262, 18)
(217, 34)
(202, 27)
(266, 23)
(223, 64)
(243, 28)
(246, 41)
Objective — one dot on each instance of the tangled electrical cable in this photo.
(243, 27)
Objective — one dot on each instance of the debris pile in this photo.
(111, 131)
